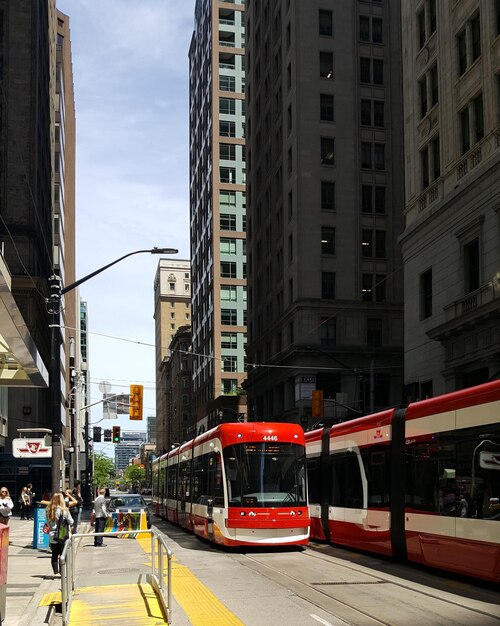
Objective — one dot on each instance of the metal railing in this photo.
(156, 579)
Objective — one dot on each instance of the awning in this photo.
(20, 363)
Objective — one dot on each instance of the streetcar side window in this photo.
(172, 482)
(376, 461)
(346, 484)
(455, 473)
(313, 479)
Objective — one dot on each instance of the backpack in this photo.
(61, 533)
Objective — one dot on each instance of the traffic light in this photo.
(116, 434)
(107, 434)
(97, 434)
(317, 403)
(135, 408)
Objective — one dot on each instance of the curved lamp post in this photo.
(54, 305)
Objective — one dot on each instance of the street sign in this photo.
(28, 447)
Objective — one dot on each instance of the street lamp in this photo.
(54, 306)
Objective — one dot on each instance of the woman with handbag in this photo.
(60, 521)
(6, 506)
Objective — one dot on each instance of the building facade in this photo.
(172, 306)
(451, 241)
(325, 195)
(180, 421)
(36, 208)
(217, 204)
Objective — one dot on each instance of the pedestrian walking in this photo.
(77, 511)
(60, 522)
(100, 515)
(31, 495)
(24, 503)
(6, 506)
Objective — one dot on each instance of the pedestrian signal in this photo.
(317, 403)
(107, 434)
(116, 434)
(97, 434)
(136, 397)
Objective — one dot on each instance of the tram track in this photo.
(357, 595)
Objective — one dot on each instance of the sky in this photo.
(130, 71)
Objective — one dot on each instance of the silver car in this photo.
(129, 503)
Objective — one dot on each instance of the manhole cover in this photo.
(123, 570)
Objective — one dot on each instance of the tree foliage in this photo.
(104, 470)
(134, 475)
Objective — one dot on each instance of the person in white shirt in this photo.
(100, 515)
(6, 506)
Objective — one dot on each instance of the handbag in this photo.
(46, 528)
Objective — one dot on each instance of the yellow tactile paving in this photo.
(197, 601)
(116, 604)
(51, 598)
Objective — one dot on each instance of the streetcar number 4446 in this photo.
(270, 438)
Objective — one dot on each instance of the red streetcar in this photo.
(239, 484)
(419, 484)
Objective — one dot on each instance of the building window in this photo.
(378, 113)
(436, 158)
(229, 385)
(377, 30)
(227, 83)
(327, 196)
(433, 76)
(228, 293)
(373, 243)
(227, 129)
(366, 155)
(422, 90)
(373, 199)
(497, 16)
(465, 129)
(326, 65)
(366, 112)
(327, 240)
(373, 287)
(426, 294)
(229, 340)
(378, 72)
(477, 105)
(471, 266)
(374, 332)
(328, 285)
(364, 28)
(475, 31)
(228, 269)
(469, 43)
(365, 70)
(227, 246)
(424, 167)
(326, 108)
(328, 332)
(227, 106)
(421, 28)
(227, 174)
(227, 221)
(227, 151)
(327, 150)
(325, 23)
(228, 317)
(229, 363)
(462, 52)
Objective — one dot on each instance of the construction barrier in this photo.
(126, 520)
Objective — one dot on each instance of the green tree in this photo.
(134, 475)
(104, 470)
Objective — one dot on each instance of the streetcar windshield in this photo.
(265, 474)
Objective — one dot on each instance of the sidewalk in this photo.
(29, 577)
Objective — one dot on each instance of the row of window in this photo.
(372, 154)
(373, 197)
(373, 287)
(372, 111)
(371, 71)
